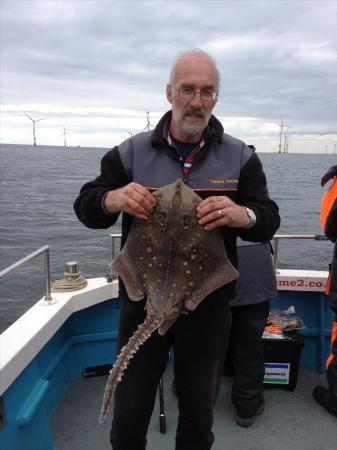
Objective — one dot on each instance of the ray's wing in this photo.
(217, 271)
(126, 264)
(125, 269)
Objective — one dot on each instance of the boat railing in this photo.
(43, 250)
(117, 236)
(275, 242)
(282, 237)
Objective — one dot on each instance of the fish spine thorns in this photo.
(142, 333)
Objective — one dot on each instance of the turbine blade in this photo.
(29, 117)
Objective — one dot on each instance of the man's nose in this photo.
(196, 100)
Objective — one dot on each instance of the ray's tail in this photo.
(142, 333)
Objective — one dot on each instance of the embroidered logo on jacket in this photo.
(218, 181)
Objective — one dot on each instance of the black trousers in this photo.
(245, 357)
(199, 340)
(331, 365)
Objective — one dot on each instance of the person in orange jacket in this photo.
(327, 397)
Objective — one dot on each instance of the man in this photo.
(187, 143)
(328, 397)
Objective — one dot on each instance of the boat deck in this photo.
(292, 419)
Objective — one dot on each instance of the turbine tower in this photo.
(65, 132)
(34, 121)
(285, 143)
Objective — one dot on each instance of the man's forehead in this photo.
(196, 70)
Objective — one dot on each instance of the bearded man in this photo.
(188, 143)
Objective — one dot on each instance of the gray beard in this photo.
(192, 130)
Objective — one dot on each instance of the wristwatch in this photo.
(252, 217)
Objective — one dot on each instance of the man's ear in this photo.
(169, 93)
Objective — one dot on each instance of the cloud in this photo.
(77, 61)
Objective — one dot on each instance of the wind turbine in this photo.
(148, 124)
(34, 121)
(65, 132)
(283, 136)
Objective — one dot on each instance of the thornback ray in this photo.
(171, 261)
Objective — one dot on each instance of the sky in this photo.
(91, 69)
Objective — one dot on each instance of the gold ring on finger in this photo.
(220, 213)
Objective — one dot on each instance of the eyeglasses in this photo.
(207, 95)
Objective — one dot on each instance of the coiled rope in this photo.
(68, 284)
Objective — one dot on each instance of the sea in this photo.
(38, 185)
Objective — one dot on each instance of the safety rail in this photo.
(278, 237)
(46, 265)
(275, 242)
(114, 237)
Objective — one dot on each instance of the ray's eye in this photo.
(186, 221)
(163, 218)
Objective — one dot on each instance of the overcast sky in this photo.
(95, 67)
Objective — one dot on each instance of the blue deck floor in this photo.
(292, 420)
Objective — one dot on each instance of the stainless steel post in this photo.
(114, 236)
(47, 296)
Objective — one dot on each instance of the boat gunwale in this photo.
(22, 341)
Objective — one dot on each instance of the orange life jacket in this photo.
(328, 200)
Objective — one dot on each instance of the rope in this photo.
(68, 284)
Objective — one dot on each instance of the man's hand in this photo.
(133, 199)
(215, 212)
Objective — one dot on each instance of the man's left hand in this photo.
(215, 212)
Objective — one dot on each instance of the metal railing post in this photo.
(114, 236)
(47, 275)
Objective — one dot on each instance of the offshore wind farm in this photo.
(281, 143)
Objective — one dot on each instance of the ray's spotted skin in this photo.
(173, 262)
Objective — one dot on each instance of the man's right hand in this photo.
(133, 199)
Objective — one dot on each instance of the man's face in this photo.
(191, 113)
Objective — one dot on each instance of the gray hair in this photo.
(194, 51)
